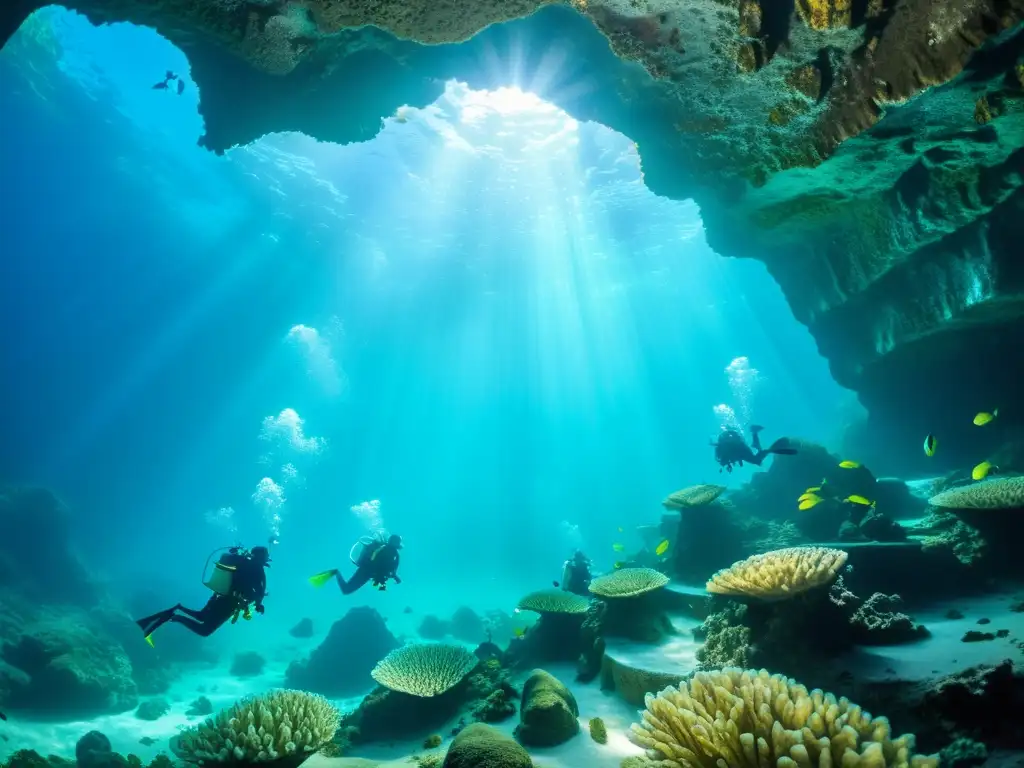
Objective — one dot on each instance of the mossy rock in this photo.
(548, 713)
(481, 746)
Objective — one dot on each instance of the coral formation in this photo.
(433, 741)
(424, 669)
(247, 664)
(693, 496)
(553, 601)
(726, 639)
(598, 731)
(432, 628)
(201, 707)
(733, 716)
(627, 583)
(944, 530)
(480, 745)
(995, 493)
(303, 629)
(548, 711)
(780, 574)
(466, 625)
(875, 622)
(152, 709)
(282, 725)
(342, 664)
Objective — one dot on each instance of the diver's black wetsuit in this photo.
(380, 564)
(576, 576)
(731, 448)
(249, 585)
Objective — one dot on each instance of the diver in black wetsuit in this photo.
(576, 574)
(248, 585)
(731, 448)
(377, 562)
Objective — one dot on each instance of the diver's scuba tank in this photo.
(363, 550)
(221, 578)
(566, 574)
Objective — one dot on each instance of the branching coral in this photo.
(998, 493)
(553, 601)
(424, 669)
(280, 725)
(628, 582)
(779, 574)
(733, 717)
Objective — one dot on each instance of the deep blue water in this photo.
(521, 338)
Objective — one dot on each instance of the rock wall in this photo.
(870, 153)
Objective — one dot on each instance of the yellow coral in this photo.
(553, 601)
(424, 669)
(825, 14)
(779, 574)
(628, 582)
(997, 493)
(738, 718)
(278, 725)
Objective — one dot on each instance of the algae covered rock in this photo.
(481, 746)
(548, 712)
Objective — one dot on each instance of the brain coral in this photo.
(694, 496)
(733, 717)
(276, 726)
(424, 669)
(779, 574)
(629, 582)
(553, 601)
(997, 493)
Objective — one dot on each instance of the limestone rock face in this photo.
(870, 154)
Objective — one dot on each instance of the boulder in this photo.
(481, 746)
(341, 664)
(548, 712)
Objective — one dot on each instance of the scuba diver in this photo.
(576, 574)
(238, 580)
(165, 84)
(377, 561)
(731, 448)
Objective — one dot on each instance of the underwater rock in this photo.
(555, 637)
(467, 626)
(152, 709)
(201, 707)
(432, 628)
(963, 753)
(247, 664)
(92, 749)
(480, 745)
(303, 629)
(547, 713)
(341, 664)
(588, 665)
(974, 636)
(59, 666)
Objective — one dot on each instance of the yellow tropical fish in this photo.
(807, 496)
(519, 631)
(619, 547)
(983, 418)
(981, 471)
(930, 444)
(855, 499)
(810, 503)
(619, 565)
(849, 464)
(815, 489)
(662, 548)
(320, 579)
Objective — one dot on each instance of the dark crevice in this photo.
(776, 20)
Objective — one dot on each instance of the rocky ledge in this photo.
(869, 152)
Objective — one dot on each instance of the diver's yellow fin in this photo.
(149, 639)
(322, 578)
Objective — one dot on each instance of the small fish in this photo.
(810, 503)
(930, 444)
(662, 548)
(981, 471)
(554, 583)
(849, 464)
(815, 489)
(408, 609)
(619, 547)
(148, 741)
(983, 418)
(619, 564)
(859, 500)
(519, 631)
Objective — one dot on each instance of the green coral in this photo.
(424, 669)
(480, 745)
(628, 582)
(495, 708)
(726, 639)
(553, 601)
(598, 731)
(997, 493)
(548, 711)
(941, 530)
(432, 741)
